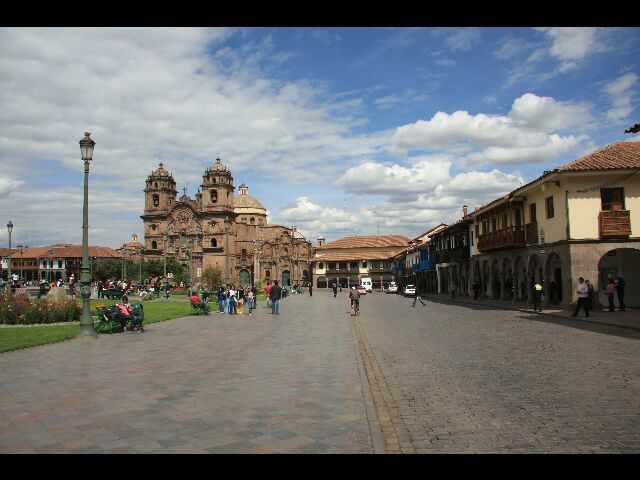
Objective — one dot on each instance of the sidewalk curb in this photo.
(524, 310)
(377, 438)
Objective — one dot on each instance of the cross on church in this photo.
(185, 191)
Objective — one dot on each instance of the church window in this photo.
(156, 184)
(214, 196)
(156, 200)
(252, 221)
(267, 274)
(154, 245)
(214, 243)
(244, 253)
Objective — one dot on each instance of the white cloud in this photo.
(572, 44)
(622, 93)
(459, 39)
(522, 136)
(8, 185)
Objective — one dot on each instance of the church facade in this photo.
(223, 229)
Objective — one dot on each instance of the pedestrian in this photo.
(267, 291)
(233, 300)
(590, 295)
(475, 287)
(583, 293)
(250, 301)
(619, 284)
(537, 296)
(275, 295)
(240, 300)
(417, 297)
(611, 290)
(221, 299)
(335, 290)
(310, 289)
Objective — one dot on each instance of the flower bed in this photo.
(19, 310)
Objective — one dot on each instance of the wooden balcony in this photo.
(510, 237)
(614, 223)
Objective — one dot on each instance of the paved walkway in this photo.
(459, 378)
(202, 384)
(630, 318)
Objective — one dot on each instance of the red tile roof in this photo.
(618, 155)
(353, 256)
(368, 241)
(63, 251)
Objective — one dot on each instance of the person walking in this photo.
(335, 290)
(250, 301)
(619, 284)
(267, 291)
(475, 287)
(537, 296)
(611, 290)
(310, 289)
(275, 295)
(221, 299)
(590, 295)
(583, 293)
(417, 297)
(240, 300)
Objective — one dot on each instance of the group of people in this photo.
(232, 301)
(585, 295)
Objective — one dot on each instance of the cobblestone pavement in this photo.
(463, 379)
(204, 384)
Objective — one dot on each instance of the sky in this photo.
(340, 131)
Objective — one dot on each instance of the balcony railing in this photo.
(615, 223)
(506, 237)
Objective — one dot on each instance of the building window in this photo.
(59, 263)
(252, 221)
(321, 265)
(612, 199)
(353, 265)
(549, 206)
(214, 196)
(532, 213)
(214, 243)
(331, 266)
(343, 265)
(244, 253)
(154, 245)
(267, 274)
(364, 264)
(156, 200)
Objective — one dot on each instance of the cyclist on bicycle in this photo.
(354, 295)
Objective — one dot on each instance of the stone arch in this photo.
(520, 280)
(244, 277)
(624, 263)
(507, 279)
(286, 278)
(554, 280)
(485, 280)
(496, 281)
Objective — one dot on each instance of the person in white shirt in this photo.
(583, 293)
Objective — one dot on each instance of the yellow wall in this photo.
(555, 227)
(584, 207)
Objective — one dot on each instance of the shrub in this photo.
(19, 310)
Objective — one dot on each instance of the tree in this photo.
(212, 276)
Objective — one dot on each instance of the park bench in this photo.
(113, 293)
(111, 319)
(197, 308)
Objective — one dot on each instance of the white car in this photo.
(392, 288)
(409, 291)
(366, 283)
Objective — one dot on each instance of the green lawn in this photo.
(22, 337)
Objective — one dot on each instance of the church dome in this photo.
(244, 200)
(161, 172)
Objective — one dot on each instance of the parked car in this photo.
(392, 288)
(366, 283)
(362, 289)
(409, 291)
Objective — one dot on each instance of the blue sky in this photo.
(337, 130)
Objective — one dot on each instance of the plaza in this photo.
(444, 378)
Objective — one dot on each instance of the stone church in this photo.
(223, 229)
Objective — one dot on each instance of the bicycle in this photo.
(355, 304)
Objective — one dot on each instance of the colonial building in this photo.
(579, 220)
(52, 262)
(218, 228)
(347, 260)
(415, 266)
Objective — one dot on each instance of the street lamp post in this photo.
(141, 260)
(9, 277)
(164, 252)
(86, 322)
